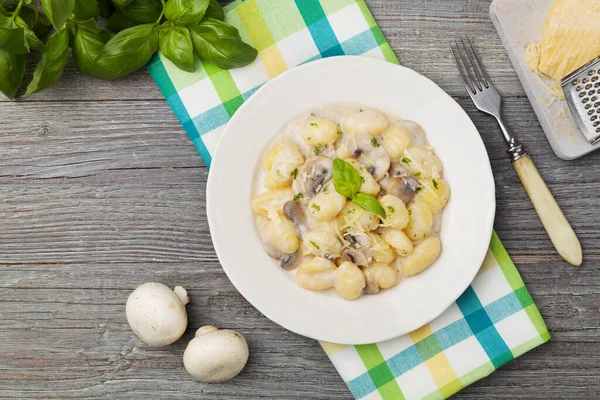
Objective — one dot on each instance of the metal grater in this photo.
(582, 92)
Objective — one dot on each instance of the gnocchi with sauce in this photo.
(351, 199)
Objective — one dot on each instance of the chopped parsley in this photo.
(424, 235)
(417, 174)
(435, 184)
(418, 189)
(298, 196)
(374, 142)
(404, 252)
(361, 110)
(316, 206)
(339, 132)
(362, 179)
(313, 114)
(314, 244)
(406, 161)
(415, 235)
(314, 124)
(409, 212)
(316, 151)
(309, 138)
(294, 173)
(391, 209)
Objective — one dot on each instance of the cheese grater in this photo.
(582, 92)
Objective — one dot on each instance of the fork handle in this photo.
(558, 228)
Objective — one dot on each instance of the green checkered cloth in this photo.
(493, 322)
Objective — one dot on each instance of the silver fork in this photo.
(487, 99)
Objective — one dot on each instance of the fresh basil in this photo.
(52, 64)
(141, 11)
(176, 44)
(122, 3)
(87, 45)
(12, 69)
(4, 11)
(215, 10)
(86, 9)
(346, 179)
(12, 36)
(186, 12)
(127, 51)
(30, 36)
(118, 22)
(58, 11)
(369, 202)
(39, 23)
(221, 44)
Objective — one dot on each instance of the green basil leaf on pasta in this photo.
(370, 203)
(346, 178)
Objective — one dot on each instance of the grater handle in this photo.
(558, 228)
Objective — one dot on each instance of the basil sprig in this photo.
(347, 182)
(183, 31)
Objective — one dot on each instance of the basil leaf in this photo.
(346, 179)
(142, 11)
(58, 11)
(12, 69)
(86, 9)
(12, 37)
(369, 203)
(52, 64)
(118, 22)
(221, 44)
(127, 51)
(215, 10)
(86, 47)
(176, 44)
(122, 3)
(186, 12)
(3, 11)
(106, 8)
(32, 39)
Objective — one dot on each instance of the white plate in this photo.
(467, 219)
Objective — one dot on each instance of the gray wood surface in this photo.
(100, 191)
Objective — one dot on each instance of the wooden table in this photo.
(101, 190)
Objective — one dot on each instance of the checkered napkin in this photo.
(494, 321)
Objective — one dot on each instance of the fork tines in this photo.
(469, 65)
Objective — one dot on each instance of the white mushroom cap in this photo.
(215, 355)
(157, 314)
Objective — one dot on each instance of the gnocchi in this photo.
(395, 140)
(280, 162)
(341, 243)
(316, 274)
(319, 132)
(371, 122)
(321, 244)
(421, 220)
(398, 240)
(349, 281)
(422, 256)
(380, 276)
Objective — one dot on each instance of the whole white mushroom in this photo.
(157, 314)
(215, 355)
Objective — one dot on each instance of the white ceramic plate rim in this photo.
(320, 315)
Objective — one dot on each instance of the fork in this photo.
(487, 99)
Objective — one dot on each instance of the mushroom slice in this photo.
(312, 176)
(400, 182)
(295, 213)
(286, 261)
(359, 248)
(369, 152)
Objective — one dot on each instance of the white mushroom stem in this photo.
(182, 294)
